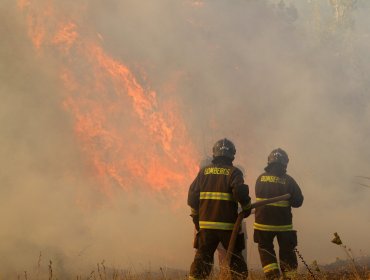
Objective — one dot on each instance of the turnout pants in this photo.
(206, 243)
(287, 241)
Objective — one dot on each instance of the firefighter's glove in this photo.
(196, 221)
(247, 209)
(247, 213)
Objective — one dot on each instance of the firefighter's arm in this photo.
(297, 198)
(242, 195)
(193, 202)
(241, 192)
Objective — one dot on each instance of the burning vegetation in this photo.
(153, 150)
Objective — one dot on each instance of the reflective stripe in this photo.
(216, 225)
(273, 228)
(194, 212)
(283, 203)
(269, 267)
(216, 195)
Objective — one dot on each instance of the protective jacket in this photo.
(214, 195)
(276, 216)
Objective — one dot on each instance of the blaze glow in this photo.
(129, 137)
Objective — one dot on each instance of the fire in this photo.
(65, 36)
(129, 137)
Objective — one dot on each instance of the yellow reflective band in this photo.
(273, 228)
(273, 179)
(217, 170)
(216, 195)
(283, 203)
(194, 212)
(269, 267)
(216, 225)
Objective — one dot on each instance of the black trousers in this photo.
(206, 243)
(287, 241)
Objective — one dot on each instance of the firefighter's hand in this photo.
(196, 222)
(246, 207)
(247, 212)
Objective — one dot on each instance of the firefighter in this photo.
(275, 220)
(213, 197)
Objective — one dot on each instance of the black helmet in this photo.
(224, 148)
(278, 155)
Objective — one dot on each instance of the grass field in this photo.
(349, 268)
(341, 269)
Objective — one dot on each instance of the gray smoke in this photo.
(265, 74)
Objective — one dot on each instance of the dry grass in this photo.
(101, 272)
(347, 269)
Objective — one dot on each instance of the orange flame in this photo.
(130, 138)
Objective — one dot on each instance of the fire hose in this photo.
(240, 218)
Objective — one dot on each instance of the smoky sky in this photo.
(260, 73)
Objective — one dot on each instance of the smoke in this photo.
(261, 73)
